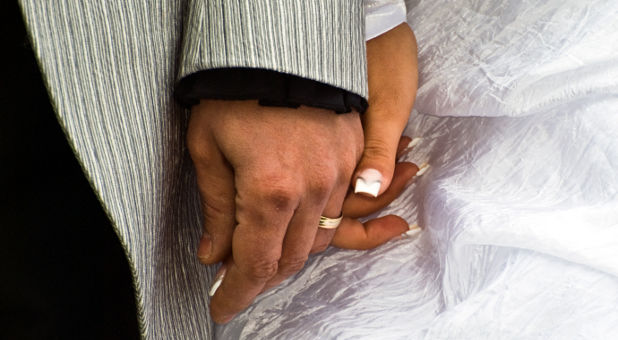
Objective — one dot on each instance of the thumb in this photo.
(374, 171)
(392, 78)
(357, 206)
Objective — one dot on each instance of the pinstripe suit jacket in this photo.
(110, 67)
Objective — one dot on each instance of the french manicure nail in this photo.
(413, 230)
(218, 279)
(422, 169)
(368, 182)
(414, 142)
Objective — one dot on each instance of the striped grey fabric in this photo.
(110, 67)
(320, 40)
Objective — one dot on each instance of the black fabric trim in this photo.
(270, 88)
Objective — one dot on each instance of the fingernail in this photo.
(413, 230)
(414, 142)
(368, 182)
(218, 279)
(422, 169)
(205, 248)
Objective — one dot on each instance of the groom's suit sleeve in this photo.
(243, 49)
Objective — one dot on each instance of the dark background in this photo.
(63, 273)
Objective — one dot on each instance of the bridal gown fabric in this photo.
(518, 110)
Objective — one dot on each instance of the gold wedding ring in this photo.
(329, 223)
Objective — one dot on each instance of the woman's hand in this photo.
(352, 234)
(378, 180)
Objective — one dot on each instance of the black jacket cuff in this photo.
(270, 88)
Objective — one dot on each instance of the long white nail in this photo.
(413, 230)
(423, 168)
(215, 285)
(368, 182)
(414, 142)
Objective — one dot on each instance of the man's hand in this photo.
(265, 176)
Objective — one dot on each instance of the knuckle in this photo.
(262, 269)
(289, 266)
(277, 191)
(281, 197)
(377, 149)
